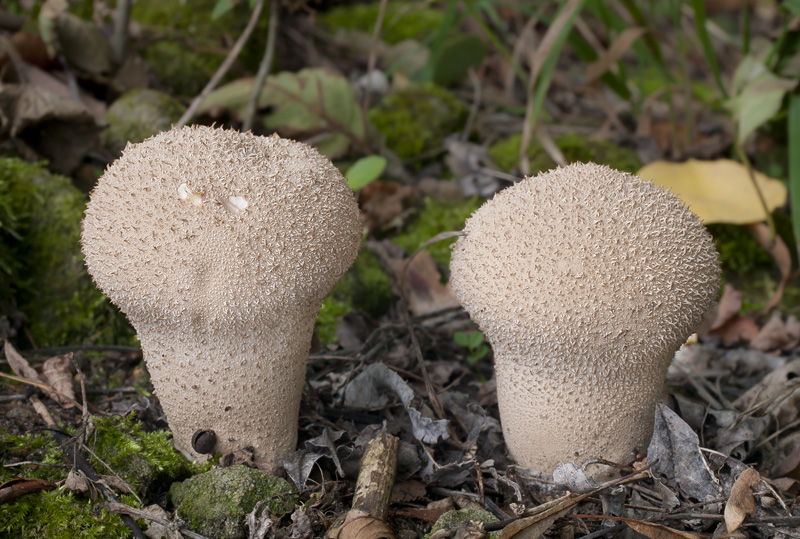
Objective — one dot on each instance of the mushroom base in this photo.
(565, 416)
(243, 384)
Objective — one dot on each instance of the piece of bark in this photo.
(367, 517)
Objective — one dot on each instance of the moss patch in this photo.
(137, 115)
(435, 217)
(41, 264)
(364, 287)
(418, 118)
(402, 20)
(215, 503)
(146, 460)
(505, 153)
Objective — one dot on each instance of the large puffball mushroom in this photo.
(586, 281)
(220, 247)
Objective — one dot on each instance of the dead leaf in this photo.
(19, 364)
(16, 488)
(57, 372)
(718, 191)
(739, 329)
(775, 246)
(778, 394)
(789, 466)
(675, 452)
(116, 483)
(741, 502)
(383, 202)
(424, 290)
(359, 525)
(407, 491)
(773, 335)
(367, 391)
(78, 482)
(534, 527)
(657, 531)
(730, 304)
(621, 44)
(430, 513)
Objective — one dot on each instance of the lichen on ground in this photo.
(456, 517)
(214, 503)
(417, 119)
(437, 216)
(146, 460)
(402, 20)
(505, 153)
(41, 264)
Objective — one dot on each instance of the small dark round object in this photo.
(203, 441)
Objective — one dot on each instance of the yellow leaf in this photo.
(717, 191)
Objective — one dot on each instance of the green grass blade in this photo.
(705, 39)
(794, 163)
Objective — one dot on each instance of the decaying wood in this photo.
(367, 518)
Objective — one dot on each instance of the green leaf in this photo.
(702, 33)
(793, 6)
(365, 171)
(461, 338)
(221, 8)
(314, 101)
(758, 101)
(475, 339)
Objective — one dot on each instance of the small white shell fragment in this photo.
(235, 204)
(186, 195)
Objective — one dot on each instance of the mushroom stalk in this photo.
(586, 281)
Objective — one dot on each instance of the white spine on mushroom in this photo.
(581, 362)
(224, 299)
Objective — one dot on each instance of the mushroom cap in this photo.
(585, 280)
(199, 223)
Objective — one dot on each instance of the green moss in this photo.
(402, 20)
(144, 459)
(187, 45)
(60, 515)
(364, 287)
(140, 458)
(739, 253)
(418, 118)
(505, 153)
(137, 115)
(41, 262)
(214, 503)
(436, 217)
(456, 517)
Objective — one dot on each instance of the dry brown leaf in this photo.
(737, 330)
(430, 513)
(789, 466)
(657, 531)
(56, 372)
(383, 202)
(623, 42)
(729, 306)
(423, 285)
(777, 249)
(19, 364)
(16, 488)
(773, 335)
(535, 526)
(777, 394)
(741, 502)
(361, 526)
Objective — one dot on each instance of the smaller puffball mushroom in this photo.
(586, 281)
(220, 247)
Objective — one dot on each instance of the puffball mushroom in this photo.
(586, 281)
(220, 247)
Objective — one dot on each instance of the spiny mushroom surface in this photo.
(586, 281)
(220, 247)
